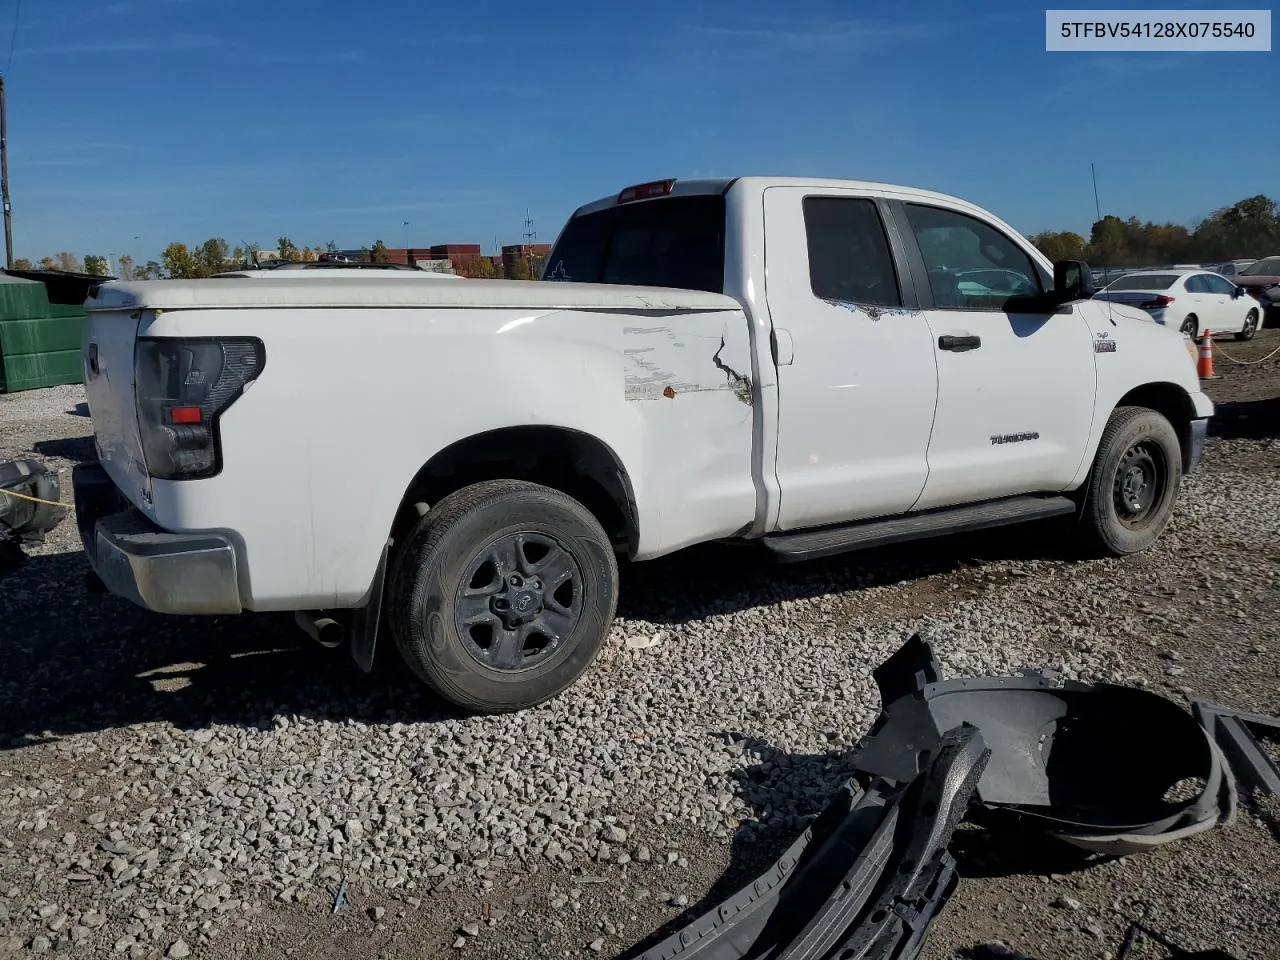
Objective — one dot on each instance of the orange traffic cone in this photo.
(1204, 367)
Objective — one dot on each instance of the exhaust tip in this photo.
(324, 630)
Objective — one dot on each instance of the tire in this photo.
(1190, 326)
(1135, 439)
(1250, 326)
(458, 561)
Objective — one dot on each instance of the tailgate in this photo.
(108, 380)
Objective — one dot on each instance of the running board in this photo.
(827, 541)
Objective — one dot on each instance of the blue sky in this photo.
(185, 119)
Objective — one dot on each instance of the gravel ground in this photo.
(174, 786)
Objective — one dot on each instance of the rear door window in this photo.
(672, 242)
(849, 257)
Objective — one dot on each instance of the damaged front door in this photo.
(856, 402)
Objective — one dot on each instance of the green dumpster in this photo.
(41, 320)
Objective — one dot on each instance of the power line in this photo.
(13, 37)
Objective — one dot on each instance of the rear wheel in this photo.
(502, 595)
(1190, 326)
(1250, 326)
(1134, 482)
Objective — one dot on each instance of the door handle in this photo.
(959, 344)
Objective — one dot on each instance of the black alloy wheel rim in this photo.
(522, 595)
(1139, 484)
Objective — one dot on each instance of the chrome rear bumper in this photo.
(176, 573)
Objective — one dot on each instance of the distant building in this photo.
(449, 257)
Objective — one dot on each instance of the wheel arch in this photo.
(571, 461)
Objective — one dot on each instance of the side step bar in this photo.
(827, 541)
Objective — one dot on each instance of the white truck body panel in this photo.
(688, 456)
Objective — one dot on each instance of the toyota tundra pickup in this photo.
(812, 366)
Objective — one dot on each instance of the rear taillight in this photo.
(182, 387)
(1162, 301)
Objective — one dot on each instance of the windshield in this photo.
(1144, 281)
(1263, 268)
(673, 242)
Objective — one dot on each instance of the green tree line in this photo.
(1248, 229)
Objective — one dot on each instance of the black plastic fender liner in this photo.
(865, 879)
(1092, 762)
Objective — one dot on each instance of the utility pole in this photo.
(4, 181)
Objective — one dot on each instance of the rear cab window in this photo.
(667, 242)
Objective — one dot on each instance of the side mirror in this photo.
(1072, 281)
(1238, 292)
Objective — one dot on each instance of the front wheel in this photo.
(1191, 326)
(503, 594)
(1134, 482)
(1250, 326)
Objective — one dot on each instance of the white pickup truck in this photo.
(812, 365)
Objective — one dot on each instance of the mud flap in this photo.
(365, 620)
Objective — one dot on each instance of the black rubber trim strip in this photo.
(866, 878)
(1236, 733)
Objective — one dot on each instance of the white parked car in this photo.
(1191, 301)
(810, 366)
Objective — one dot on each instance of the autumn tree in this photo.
(126, 267)
(95, 265)
(1250, 228)
(519, 268)
(69, 262)
(48, 263)
(287, 249)
(1060, 246)
(475, 268)
(151, 270)
(211, 257)
(22, 263)
(179, 262)
(308, 255)
(378, 252)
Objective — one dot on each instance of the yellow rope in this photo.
(1246, 363)
(23, 496)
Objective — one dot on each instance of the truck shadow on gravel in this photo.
(74, 662)
(712, 579)
(78, 449)
(786, 791)
(1247, 420)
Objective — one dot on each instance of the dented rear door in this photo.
(858, 386)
